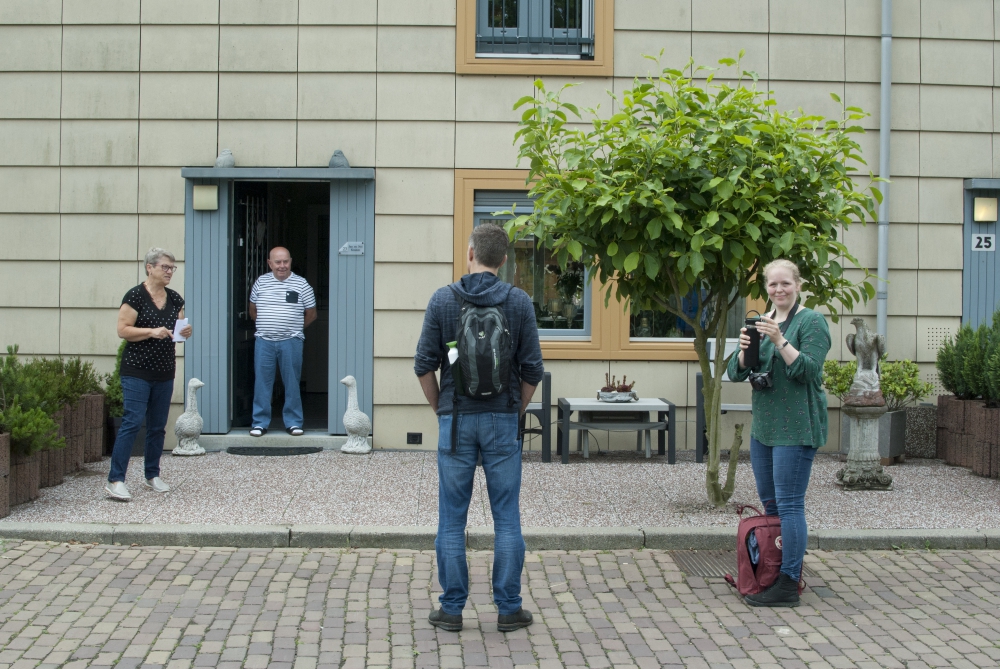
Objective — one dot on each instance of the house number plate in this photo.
(352, 249)
(984, 242)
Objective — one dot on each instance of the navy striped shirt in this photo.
(281, 306)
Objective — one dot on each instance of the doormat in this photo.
(714, 564)
(268, 450)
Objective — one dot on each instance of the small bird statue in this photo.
(868, 348)
(358, 425)
(338, 159)
(189, 424)
(225, 159)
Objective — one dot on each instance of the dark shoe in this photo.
(258, 431)
(514, 621)
(784, 592)
(445, 621)
(295, 431)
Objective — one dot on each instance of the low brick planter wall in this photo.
(24, 477)
(4, 475)
(93, 427)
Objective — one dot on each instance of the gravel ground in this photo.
(400, 488)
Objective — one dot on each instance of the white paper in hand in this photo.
(178, 326)
(452, 355)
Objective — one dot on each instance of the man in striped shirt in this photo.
(283, 305)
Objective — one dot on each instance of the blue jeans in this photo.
(287, 356)
(149, 399)
(782, 475)
(495, 436)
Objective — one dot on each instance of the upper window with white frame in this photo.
(549, 29)
(560, 297)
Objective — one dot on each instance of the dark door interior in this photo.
(295, 215)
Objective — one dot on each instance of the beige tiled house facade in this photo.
(102, 102)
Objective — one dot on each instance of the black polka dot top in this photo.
(151, 359)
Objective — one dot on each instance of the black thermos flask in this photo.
(751, 356)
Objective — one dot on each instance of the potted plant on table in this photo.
(613, 391)
(901, 387)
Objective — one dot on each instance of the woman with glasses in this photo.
(146, 322)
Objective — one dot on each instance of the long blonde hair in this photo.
(784, 264)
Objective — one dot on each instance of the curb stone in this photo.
(841, 540)
(480, 538)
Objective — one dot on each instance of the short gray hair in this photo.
(154, 254)
(489, 244)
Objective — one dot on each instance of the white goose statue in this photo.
(358, 425)
(189, 424)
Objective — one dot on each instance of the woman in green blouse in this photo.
(789, 417)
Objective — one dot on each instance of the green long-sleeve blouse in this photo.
(792, 412)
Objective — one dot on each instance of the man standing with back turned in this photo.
(480, 415)
(282, 305)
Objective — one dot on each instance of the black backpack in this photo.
(483, 341)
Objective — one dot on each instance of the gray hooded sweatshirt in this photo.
(441, 326)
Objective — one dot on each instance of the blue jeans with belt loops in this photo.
(495, 435)
(782, 475)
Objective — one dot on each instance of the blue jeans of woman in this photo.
(149, 399)
(495, 436)
(782, 475)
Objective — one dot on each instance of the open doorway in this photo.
(295, 215)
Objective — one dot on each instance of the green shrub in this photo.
(113, 397)
(31, 430)
(837, 378)
(80, 379)
(901, 385)
(951, 363)
(899, 381)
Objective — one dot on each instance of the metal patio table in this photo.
(586, 407)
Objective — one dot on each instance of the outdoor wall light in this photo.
(984, 210)
(206, 198)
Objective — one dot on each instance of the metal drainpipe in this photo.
(885, 130)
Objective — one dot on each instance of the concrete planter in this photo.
(93, 427)
(74, 455)
(4, 475)
(921, 432)
(24, 478)
(984, 440)
(891, 436)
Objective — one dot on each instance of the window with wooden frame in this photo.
(591, 331)
(535, 37)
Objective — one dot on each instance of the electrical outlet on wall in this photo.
(414, 437)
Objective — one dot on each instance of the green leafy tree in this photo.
(690, 189)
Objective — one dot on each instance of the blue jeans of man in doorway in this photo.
(141, 398)
(286, 356)
(495, 436)
(782, 475)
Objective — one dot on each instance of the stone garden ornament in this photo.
(338, 160)
(225, 159)
(358, 425)
(189, 424)
(864, 405)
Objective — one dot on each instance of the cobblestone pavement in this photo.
(95, 606)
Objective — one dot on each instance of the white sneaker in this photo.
(157, 484)
(118, 490)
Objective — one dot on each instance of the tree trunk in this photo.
(712, 391)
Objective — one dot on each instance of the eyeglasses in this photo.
(169, 269)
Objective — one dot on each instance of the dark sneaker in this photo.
(514, 621)
(784, 592)
(445, 621)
